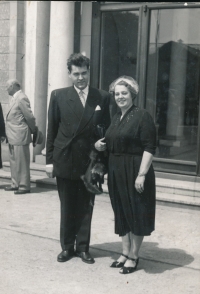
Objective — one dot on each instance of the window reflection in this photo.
(118, 46)
(173, 81)
(119, 40)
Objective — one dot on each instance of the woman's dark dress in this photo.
(126, 141)
(2, 130)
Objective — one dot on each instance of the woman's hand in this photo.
(100, 146)
(144, 167)
(139, 184)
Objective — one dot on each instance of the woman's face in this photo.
(123, 97)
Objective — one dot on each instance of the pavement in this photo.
(29, 230)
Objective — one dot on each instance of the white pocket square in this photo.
(97, 108)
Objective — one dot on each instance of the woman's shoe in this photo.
(118, 264)
(128, 270)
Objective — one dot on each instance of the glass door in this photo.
(119, 43)
(172, 89)
(159, 46)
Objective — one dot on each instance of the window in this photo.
(172, 95)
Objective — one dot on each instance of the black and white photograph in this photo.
(99, 147)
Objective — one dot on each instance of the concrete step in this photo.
(177, 200)
(165, 183)
(40, 159)
(36, 169)
(178, 187)
(36, 180)
(181, 201)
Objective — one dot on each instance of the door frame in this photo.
(143, 39)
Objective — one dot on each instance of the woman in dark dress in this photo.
(131, 144)
(2, 131)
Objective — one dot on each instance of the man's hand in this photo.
(2, 139)
(100, 145)
(49, 171)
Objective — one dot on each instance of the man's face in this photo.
(79, 76)
(9, 89)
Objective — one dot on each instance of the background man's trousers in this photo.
(20, 166)
(76, 214)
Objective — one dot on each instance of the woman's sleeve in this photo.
(148, 133)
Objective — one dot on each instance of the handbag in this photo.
(94, 176)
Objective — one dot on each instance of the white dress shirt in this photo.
(84, 92)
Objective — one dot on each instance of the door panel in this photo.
(119, 41)
(172, 93)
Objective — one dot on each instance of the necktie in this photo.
(82, 97)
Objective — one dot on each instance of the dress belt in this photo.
(125, 154)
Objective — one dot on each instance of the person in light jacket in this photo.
(20, 125)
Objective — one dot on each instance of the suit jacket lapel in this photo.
(91, 103)
(15, 100)
(11, 107)
(74, 102)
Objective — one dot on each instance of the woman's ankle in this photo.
(123, 257)
(133, 256)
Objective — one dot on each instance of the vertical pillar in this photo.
(61, 43)
(36, 62)
(178, 71)
(86, 26)
(4, 64)
(30, 50)
(4, 52)
(16, 40)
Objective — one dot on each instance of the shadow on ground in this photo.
(33, 189)
(3, 186)
(157, 260)
(40, 190)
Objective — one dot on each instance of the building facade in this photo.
(157, 43)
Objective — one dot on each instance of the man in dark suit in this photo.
(73, 115)
(2, 132)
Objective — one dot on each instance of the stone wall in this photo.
(11, 46)
(4, 52)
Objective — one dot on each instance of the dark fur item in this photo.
(94, 176)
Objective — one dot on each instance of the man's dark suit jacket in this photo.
(2, 130)
(71, 130)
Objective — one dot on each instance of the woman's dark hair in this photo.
(77, 59)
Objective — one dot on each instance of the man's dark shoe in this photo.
(85, 256)
(21, 192)
(65, 255)
(10, 188)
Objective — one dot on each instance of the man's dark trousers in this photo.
(76, 214)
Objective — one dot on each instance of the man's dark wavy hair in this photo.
(77, 59)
